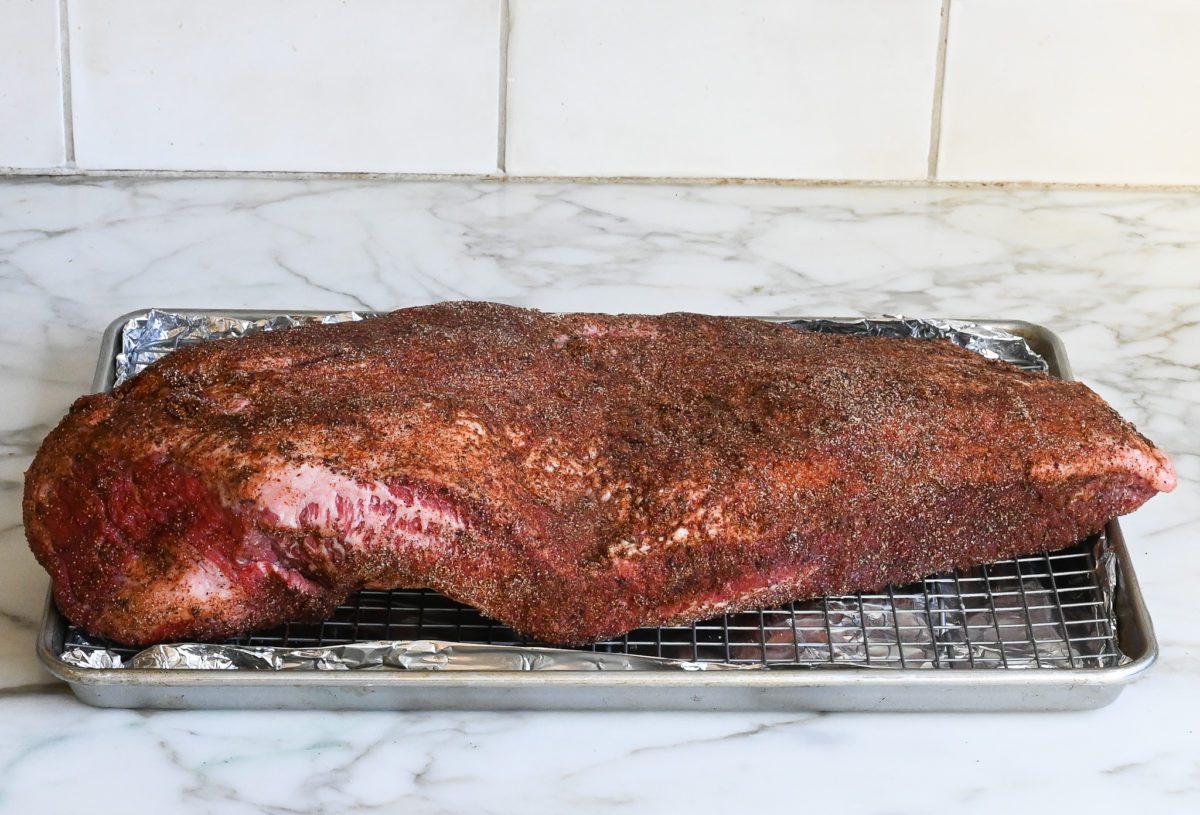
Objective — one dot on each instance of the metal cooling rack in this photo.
(1046, 611)
(1042, 611)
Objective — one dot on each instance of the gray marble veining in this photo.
(1116, 274)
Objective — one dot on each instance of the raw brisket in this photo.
(573, 476)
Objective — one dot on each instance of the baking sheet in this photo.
(1046, 611)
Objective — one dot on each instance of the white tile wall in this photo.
(31, 110)
(751, 88)
(307, 85)
(1087, 91)
(1096, 91)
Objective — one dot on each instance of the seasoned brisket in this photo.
(573, 476)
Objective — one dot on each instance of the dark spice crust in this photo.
(584, 474)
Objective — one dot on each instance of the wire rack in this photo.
(1043, 611)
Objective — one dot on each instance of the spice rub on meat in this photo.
(575, 476)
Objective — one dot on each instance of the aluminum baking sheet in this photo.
(1076, 612)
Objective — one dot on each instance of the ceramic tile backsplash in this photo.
(306, 85)
(1075, 91)
(31, 109)
(750, 88)
(1093, 91)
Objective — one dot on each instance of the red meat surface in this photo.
(574, 476)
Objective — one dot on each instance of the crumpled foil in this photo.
(988, 342)
(414, 655)
(149, 338)
(936, 624)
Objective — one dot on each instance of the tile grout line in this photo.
(939, 82)
(64, 63)
(71, 174)
(502, 101)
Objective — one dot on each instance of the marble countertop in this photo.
(1116, 274)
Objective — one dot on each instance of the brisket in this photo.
(574, 476)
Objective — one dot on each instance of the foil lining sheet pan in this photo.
(146, 339)
(986, 341)
(416, 655)
(902, 629)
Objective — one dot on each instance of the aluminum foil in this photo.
(146, 339)
(417, 655)
(936, 624)
(983, 340)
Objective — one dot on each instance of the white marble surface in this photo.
(1117, 274)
